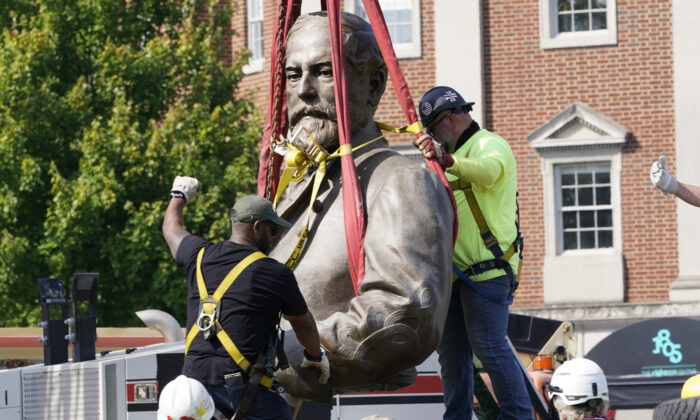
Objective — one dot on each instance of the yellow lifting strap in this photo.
(209, 307)
(297, 162)
(484, 230)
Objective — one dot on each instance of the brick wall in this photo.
(631, 83)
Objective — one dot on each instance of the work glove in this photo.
(185, 187)
(321, 364)
(661, 178)
(431, 149)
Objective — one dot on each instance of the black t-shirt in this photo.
(248, 310)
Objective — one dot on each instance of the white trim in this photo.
(580, 135)
(463, 71)
(403, 50)
(686, 32)
(550, 38)
(255, 64)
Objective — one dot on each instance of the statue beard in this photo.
(321, 122)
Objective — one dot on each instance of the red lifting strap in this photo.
(276, 123)
(268, 175)
(353, 208)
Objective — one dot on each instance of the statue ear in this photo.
(377, 84)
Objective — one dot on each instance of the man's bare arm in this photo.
(304, 327)
(689, 193)
(173, 224)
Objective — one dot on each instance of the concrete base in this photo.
(685, 289)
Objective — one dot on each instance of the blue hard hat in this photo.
(437, 100)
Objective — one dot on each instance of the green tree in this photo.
(102, 104)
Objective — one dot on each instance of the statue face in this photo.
(310, 88)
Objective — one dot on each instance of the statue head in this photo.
(309, 76)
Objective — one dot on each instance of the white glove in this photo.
(185, 187)
(661, 178)
(321, 365)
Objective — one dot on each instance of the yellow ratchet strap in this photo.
(415, 128)
(296, 165)
(209, 307)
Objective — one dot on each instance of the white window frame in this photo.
(255, 64)
(403, 50)
(559, 207)
(551, 38)
(553, 223)
(581, 275)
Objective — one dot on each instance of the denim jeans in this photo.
(479, 325)
(266, 406)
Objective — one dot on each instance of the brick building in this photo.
(588, 93)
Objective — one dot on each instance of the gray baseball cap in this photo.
(253, 207)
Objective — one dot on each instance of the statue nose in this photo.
(306, 90)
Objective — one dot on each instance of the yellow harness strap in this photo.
(489, 239)
(297, 162)
(209, 304)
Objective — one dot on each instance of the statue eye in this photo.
(293, 75)
(325, 72)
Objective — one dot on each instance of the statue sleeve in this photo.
(396, 321)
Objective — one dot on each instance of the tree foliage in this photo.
(102, 104)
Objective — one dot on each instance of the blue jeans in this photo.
(265, 406)
(479, 325)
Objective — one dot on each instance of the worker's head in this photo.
(185, 398)
(579, 390)
(254, 218)
(445, 115)
(310, 81)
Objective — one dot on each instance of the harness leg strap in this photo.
(252, 389)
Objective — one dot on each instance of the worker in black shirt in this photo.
(230, 328)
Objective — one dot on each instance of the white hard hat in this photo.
(185, 397)
(577, 381)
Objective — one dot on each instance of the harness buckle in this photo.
(208, 316)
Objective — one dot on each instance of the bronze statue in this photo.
(374, 339)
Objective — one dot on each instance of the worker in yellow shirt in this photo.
(481, 169)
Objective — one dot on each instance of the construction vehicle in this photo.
(125, 384)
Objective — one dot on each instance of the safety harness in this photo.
(500, 259)
(208, 324)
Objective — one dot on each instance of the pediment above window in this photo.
(578, 127)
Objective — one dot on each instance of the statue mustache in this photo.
(317, 112)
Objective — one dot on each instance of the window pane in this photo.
(586, 218)
(602, 177)
(587, 240)
(605, 239)
(568, 197)
(602, 195)
(585, 178)
(580, 4)
(604, 218)
(569, 219)
(564, 5)
(585, 196)
(568, 179)
(599, 21)
(599, 4)
(570, 241)
(581, 22)
(565, 23)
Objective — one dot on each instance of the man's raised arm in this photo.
(184, 190)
